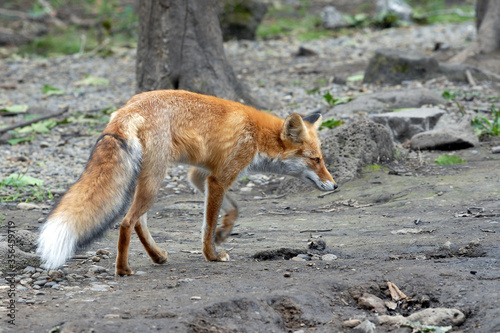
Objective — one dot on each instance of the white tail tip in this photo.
(56, 243)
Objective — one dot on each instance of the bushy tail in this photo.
(93, 203)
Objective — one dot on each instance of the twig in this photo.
(31, 121)
(315, 230)
(470, 79)
(327, 193)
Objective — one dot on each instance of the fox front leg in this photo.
(214, 197)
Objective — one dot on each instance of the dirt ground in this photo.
(431, 230)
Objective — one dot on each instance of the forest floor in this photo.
(431, 230)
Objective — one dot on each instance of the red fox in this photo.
(219, 138)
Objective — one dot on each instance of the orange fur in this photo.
(219, 138)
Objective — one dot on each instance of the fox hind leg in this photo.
(198, 177)
(144, 197)
(158, 255)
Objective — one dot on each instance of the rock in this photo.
(351, 147)
(329, 257)
(102, 252)
(332, 19)
(96, 259)
(431, 316)
(27, 206)
(240, 18)
(26, 240)
(55, 274)
(372, 302)
(388, 101)
(398, 7)
(452, 137)
(305, 52)
(50, 284)
(365, 327)
(317, 245)
(29, 270)
(405, 124)
(351, 323)
(495, 150)
(394, 66)
(23, 259)
(97, 269)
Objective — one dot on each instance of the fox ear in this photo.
(314, 119)
(294, 129)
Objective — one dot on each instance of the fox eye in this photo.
(317, 160)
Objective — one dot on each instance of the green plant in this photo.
(331, 123)
(49, 90)
(26, 133)
(26, 187)
(336, 101)
(484, 126)
(16, 108)
(449, 160)
(450, 94)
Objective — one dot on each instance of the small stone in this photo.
(26, 281)
(44, 144)
(29, 270)
(30, 301)
(351, 323)
(287, 274)
(195, 298)
(297, 259)
(40, 282)
(102, 252)
(96, 259)
(329, 257)
(97, 269)
(21, 288)
(372, 302)
(36, 287)
(365, 327)
(55, 274)
(140, 273)
(111, 316)
(29, 206)
(40, 293)
(50, 284)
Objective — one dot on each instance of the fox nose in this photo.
(335, 186)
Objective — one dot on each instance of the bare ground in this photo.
(389, 225)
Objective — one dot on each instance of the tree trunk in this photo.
(488, 30)
(180, 47)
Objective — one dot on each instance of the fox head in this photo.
(302, 152)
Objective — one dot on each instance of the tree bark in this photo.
(488, 31)
(180, 47)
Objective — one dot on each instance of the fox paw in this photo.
(218, 256)
(124, 271)
(222, 256)
(161, 259)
